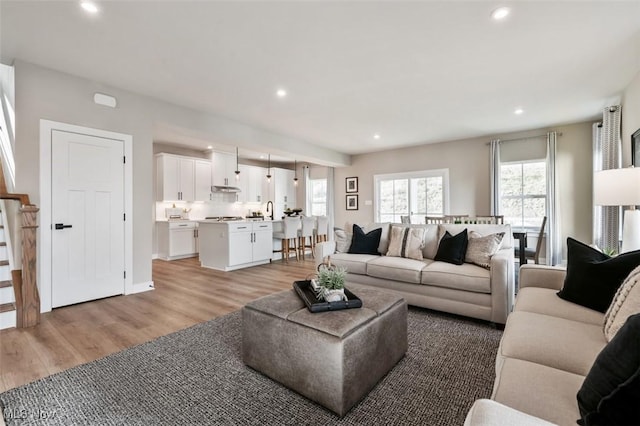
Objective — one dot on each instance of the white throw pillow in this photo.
(625, 303)
(480, 249)
(343, 241)
(406, 242)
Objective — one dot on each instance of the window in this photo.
(523, 193)
(318, 197)
(414, 194)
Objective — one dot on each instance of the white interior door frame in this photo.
(45, 224)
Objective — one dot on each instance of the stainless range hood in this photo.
(224, 188)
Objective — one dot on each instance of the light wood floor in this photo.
(184, 294)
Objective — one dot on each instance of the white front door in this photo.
(87, 216)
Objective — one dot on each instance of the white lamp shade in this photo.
(617, 187)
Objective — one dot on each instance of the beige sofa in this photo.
(547, 349)
(466, 289)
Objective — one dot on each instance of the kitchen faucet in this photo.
(270, 215)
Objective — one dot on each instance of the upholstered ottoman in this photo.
(333, 358)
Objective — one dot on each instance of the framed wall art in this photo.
(352, 184)
(352, 202)
(635, 148)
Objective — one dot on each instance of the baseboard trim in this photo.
(141, 288)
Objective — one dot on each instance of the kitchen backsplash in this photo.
(221, 205)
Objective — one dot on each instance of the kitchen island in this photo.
(231, 245)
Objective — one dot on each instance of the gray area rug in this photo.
(196, 376)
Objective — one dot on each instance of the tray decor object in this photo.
(308, 296)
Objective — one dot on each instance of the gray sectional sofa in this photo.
(547, 349)
(466, 289)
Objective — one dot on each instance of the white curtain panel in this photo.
(494, 163)
(607, 154)
(331, 203)
(554, 244)
(307, 189)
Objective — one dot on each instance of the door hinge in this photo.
(124, 217)
(124, 159)
(125, 275)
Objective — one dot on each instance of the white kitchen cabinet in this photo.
(224, 167)
(233, 245)
(175, 178)
(252, 184)
(181, 178)
(177, 240)
(203, 180)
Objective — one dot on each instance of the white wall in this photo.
(43, 93)
(468, 164)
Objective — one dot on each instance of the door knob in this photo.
(62, 226)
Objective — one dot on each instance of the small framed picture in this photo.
(352, 184)
(352, 202)
(635, 148)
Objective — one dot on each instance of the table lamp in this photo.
(621, 187)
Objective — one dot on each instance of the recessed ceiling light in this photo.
(281, 93)
(518, 111)
(376, 136)
(500, 13)
(89, 6)
(209, 147)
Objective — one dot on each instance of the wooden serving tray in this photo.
(308, 296)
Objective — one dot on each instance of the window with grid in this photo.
(523, 193)
(318, 197)
(413, 194)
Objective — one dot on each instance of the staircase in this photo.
(7, 295)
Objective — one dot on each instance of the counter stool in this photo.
(308, 225)
(322, 229)
(289, 232)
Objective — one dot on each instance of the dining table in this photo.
(521, 236)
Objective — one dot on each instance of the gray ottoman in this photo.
(333, 358)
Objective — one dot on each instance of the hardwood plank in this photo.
(185, 294)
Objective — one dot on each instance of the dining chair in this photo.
(534, 254)
(488, 220)
(405, 219)
(289, 233)
(322, 229)
(434, 219)
(307, 231)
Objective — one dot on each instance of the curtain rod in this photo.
(528, 137)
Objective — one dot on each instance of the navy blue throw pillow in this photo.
(362, 243)
(453, 248)
(610, 394)
(593, 277)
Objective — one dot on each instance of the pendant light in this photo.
(295, 172)
(269, 170)
(237, 172)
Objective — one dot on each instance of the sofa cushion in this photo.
(406, 242)
(459, 277)
(397, 269)
(625, 303)
(555, 342)
(486, 412)
(611, 391)
(593, 277)
(481, 248)
(365, 243)
(538, 390)
(354, 263)
(368, 227)
(452, 248)
(545, 301)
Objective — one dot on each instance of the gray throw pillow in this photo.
(480, 249)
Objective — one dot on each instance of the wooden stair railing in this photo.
(25, 283)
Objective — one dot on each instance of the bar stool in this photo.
(322, 229)
(308, 225)
(290, 226)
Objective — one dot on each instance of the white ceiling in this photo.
(414, 72)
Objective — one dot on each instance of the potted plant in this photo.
(331, 283)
